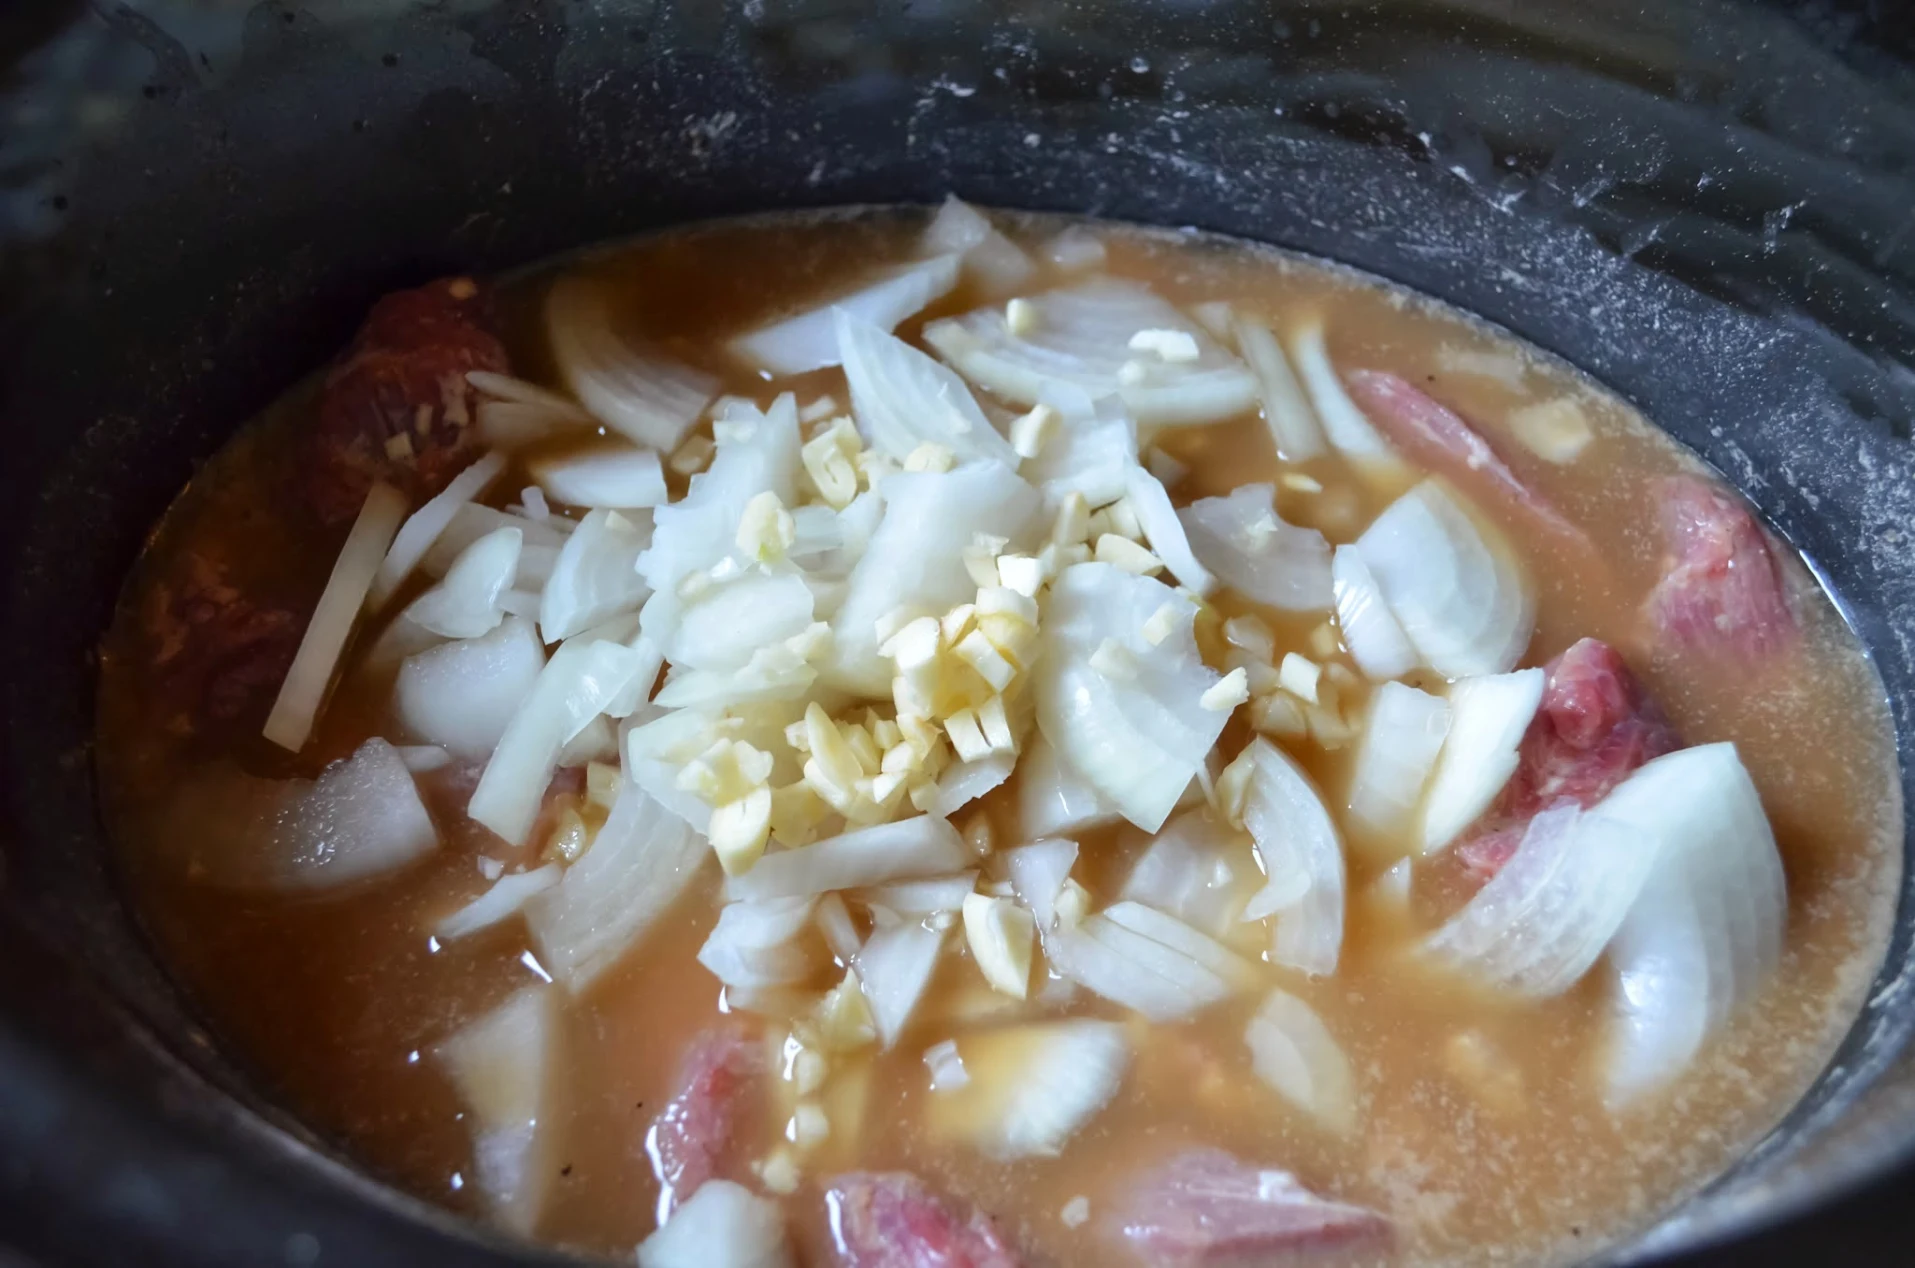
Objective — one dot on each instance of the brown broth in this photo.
(337, 1002)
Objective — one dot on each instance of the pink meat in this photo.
(1436, 437)
(692, 1139)
(1207, 1209)
(1721, 587)
(1596, 724)
(890, 1220)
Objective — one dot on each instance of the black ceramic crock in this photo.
(1709, 206)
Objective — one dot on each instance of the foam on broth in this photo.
(337, 1002)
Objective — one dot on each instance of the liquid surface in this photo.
(338, 1002)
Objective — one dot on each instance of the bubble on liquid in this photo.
(1141, 65)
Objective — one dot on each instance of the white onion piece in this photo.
(466, 603)
(1198, 869)
(597, 742)
(1137, 972)
(839, 929)
(722, 1225)
(923, 846)
(1377, 643)
(506, 898)
(1286, 410)
(762, 944)
(422, 528)
(916, 557)
(616, 476)
(809, 340)
(727, 622)
(290, 724)
(895, 967)
(1453, 584)
(631, 387)
(595, 577)
(1488, 717)
(1029, 1089)
(1293, 1051)
(462, 694)
(1038, 872)
(505, 1067)
(1538, 925)
(421, 758)
(1245, 542)
(1052, 799)
(361, 819)
(521, 413)
(1346, 427)
(920, 898)
(757, 454)
(577, 684)
(1297, 842)
(1164, 531)
(964, 782)
(1171, 932)
(1138, 740)
(1400, 744)
(904, 398)
(1092, 452)
(639, 863)
(1707, 930)
(992, 262)
(817, 530)
(539, 549)
(1081, 337)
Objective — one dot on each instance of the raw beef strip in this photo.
(398, 408)
(218, 657)
(890, 1220)
(1596, 724)
(1207, 1209)
(1437, 437)
(691, 1139)
(1721, 588)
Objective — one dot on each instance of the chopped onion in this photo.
(1038, 872)
(1488, 717)
(462, 694)
(756, 454)
(927, 897)
(1165, 531)
(964, 782)
(505, 1066)
(466, 603)
(1052, 799)
(1539, 924)
(1707, 930)
(1092, 452)
(1244, 541)
(916, 557)
(1171, 932)
(1400, 743)
(923, 846)
(1301, 855)
(1453, 584)
(904, 398)
(362, 818)
(635, 389)
(1344, 425)
(290, 723)
(1081, 337)
(1029, 1089)
(809, 340)
(539, 551)
(946, 1066)
(1138, 739)
(839, 930)
(506, 898)
(722, 1225)
(421, 758)
(1135, 971)
(762, 944)
(1377, 643)
(992, 262)
(638, 864)
(617, 476)
(521, 413)
(1292, 1051)
(894, 969)
(582, 679)
(1286, 410)
(423, 526)
(727, 622)
(1198, 869)
(595, 577)
(597, 742)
